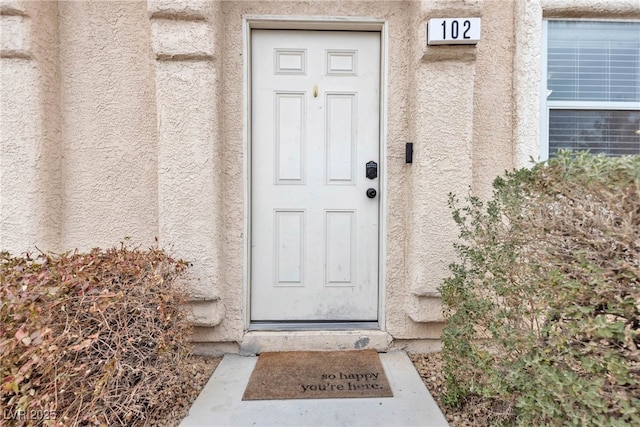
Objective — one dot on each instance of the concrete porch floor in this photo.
(220, 402)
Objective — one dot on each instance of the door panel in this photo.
(315, 125)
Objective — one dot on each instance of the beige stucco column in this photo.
(185, 45)
(527, 74)
(30, 176)
(444, 92)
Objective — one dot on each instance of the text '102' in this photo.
(442, 31)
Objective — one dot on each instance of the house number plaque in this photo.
(453, 31)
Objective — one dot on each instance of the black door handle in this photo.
(371, 193)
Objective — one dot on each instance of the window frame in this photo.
(546, 106)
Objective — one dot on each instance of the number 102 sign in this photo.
(453, 31)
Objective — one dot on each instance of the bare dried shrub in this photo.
(543, 308)
(94, 338)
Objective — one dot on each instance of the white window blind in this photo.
(594, 61)
(592, 97)
(610, 132)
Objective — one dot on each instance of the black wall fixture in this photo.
(409, 153)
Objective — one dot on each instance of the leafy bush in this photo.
(543, 308)
(96, 338)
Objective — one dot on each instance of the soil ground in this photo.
(200, 369)
(475, 413)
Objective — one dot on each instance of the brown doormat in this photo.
(317, 375)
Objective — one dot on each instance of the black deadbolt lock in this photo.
(372, 170)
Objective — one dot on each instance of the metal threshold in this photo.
(313, 326)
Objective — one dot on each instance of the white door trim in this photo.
(250, 22)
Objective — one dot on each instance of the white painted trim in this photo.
(336, 23)
(544, 111)
(592, 105)
(384, 111)
(246, 150)
(592, 19)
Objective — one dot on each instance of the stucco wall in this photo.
(187, 54)
(444, 83)
(108, 113)
(434, 97)
(129, 120)
(493, 147)
(153, 140)
(30, 172)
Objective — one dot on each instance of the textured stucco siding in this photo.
(190, 145)
(129, 120)
(443, 84)
(493, 148)
(109, 132)
(30, 172)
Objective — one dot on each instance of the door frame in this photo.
(250, 22)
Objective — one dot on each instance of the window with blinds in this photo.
(592, 94)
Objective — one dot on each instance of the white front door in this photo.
(315, 117)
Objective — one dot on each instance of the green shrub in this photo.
(543, 308)
(97, 338)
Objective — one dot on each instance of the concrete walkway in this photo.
(220, 402)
